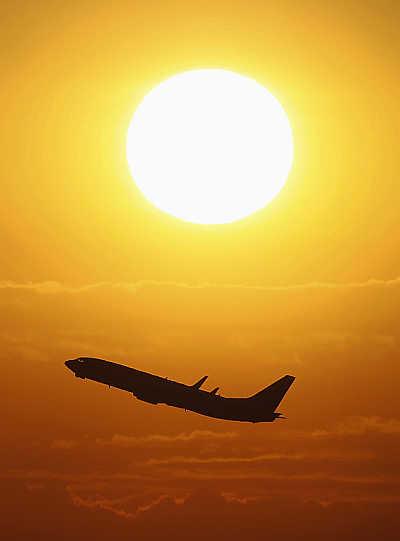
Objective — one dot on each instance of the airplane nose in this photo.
(69, 364)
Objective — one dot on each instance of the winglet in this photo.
(214, 391)
(199, 383)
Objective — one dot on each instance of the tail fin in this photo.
(272, 395)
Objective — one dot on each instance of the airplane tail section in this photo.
(271, 396)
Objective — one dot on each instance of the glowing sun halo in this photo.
(209, 146)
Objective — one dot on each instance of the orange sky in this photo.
(309, 286)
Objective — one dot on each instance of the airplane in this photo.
(158, 390)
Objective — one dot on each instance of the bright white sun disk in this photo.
(209, 146)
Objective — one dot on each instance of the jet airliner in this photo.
(158, 390)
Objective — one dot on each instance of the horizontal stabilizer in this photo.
(214, 391)
(271, 396)
(199, 383)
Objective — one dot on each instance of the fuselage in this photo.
(158, 390)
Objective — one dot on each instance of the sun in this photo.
(209, 146)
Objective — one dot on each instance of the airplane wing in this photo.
(199, 383)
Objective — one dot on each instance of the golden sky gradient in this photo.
(309, 286)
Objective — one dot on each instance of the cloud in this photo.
(76, 477)
(53, 287)
(224, 460)
(63, 444)
(105, 504)
(120, 440)
(279, 323)
(118, 506)
(358, 426)
(216, 512)
(154, 503)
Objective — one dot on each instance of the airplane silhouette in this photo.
(157, 390)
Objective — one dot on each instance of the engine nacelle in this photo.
(147, 398)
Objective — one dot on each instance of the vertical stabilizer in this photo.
(271, 396)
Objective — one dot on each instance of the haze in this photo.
(308, 287)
